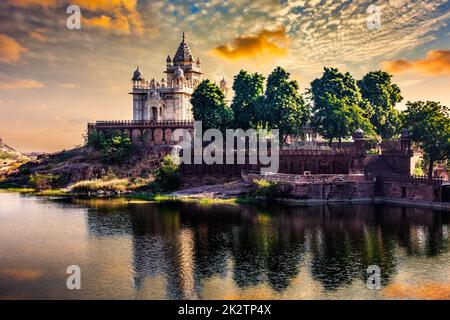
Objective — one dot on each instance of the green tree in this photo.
(248, 93)
(377, 88)
(115, 146)
(283, 107)
(338, 108)
(208, 106)
(429, 124)
(167, 176)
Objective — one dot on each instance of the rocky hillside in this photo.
(10, 159)
(68, 167)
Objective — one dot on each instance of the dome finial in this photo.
(184, 37)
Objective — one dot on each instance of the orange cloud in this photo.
(118, 25)
(118, 16)
(10, 49)
(264, 44)
(38, 36)
(122, 17)
(435, 63)
(20, 84)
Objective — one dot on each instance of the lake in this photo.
(137, 250)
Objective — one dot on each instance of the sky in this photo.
(54, 80)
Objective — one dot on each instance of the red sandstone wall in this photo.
(331, 191)
(420, 190)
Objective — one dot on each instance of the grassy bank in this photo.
(120, 188)
(114, 185)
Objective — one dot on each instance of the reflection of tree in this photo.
(334, 261)
(380, 251)
(419, 231)
(187, 243)
(285, 254)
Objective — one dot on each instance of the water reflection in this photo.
(189, 251)
(189, 243)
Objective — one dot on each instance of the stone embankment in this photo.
(319, 187)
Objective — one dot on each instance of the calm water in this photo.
(185, 251)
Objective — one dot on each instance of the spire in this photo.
(183, 53)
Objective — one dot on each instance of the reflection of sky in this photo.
(156, 252)
(53, 79)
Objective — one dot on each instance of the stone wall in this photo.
(320, 187)
(409, 188)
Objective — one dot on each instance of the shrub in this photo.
(167, 176)
(115, 146)
(267, 189)
(43, 181)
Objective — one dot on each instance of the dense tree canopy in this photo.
(283, 107)
(376, 87)
(249, 90)
(208, 106)
(429, 124)
(338, 107)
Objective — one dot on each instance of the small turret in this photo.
(137, 75)
(359, 134)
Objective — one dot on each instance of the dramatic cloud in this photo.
(28, 3)
(10, 49)
(436, 62)
(303, 36)
(20, 84)
(264, 44)
(38, 36)
(118, 16)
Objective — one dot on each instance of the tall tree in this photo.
(208, 106)
(248, 92)
(377, 88)
(283, 107)
(429, 124)
(337, 109)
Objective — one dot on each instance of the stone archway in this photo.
(168, 135)
(136, 135)
(147, 136)
(158, 133)
(155, 113)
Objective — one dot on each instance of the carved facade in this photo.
(169, 98)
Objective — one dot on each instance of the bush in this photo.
(43, 181)
(167, 176)
(114, 145)
(267, 189)
(114, 185)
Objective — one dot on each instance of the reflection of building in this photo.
(187, 249)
